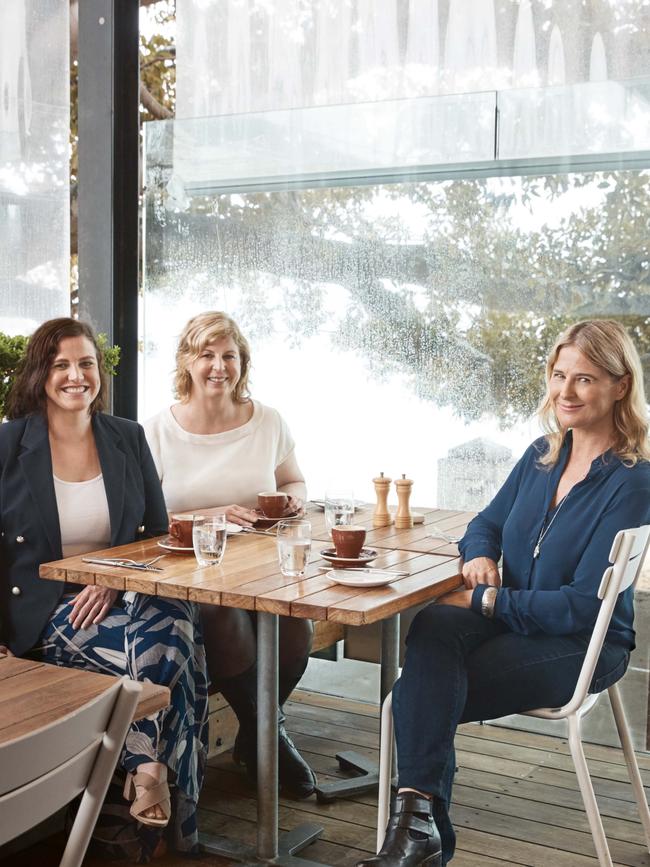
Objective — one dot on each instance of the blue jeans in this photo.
(461, 667)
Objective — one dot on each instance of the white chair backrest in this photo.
(635, 559)
(46, 769)
(626, 556)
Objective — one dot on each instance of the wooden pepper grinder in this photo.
(403, 517)
(382, 517)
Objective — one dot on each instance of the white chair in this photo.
(626, 556)
(45, 769)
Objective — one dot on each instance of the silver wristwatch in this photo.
(488, 601)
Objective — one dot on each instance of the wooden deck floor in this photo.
(516, 798)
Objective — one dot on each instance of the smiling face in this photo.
(216, 370)
(583, 394)
(73, 381)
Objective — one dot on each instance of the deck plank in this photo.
(516, 796)
(516, 802)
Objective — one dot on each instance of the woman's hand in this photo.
(294, 506)
(91, 606)
(240, 515)
(459, 598)
(4, 651)
(481, 570)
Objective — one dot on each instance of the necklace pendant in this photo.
(536, 552)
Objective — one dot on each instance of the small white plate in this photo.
(231, 529)
(362, 579)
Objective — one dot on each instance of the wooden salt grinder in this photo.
(381, 517)
(403, 517)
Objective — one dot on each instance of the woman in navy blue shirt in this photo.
(509, 644)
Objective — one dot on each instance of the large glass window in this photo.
(402, 203)
(34, 163)
(256, 55)
(400, 327)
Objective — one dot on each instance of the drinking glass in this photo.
(339, 509)
(294, 545)
(209, 539)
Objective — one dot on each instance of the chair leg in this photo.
(385, 768)
(587, 792)
(100, 776)
(630, 759)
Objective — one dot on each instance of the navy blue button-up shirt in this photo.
(556, 593)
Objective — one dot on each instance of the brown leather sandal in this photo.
(156, 794)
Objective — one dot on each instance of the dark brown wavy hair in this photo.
(27, 393)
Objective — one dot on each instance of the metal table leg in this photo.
(270, 849)
(367, 772)
(267, 736)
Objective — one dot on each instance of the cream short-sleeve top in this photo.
(205, 470)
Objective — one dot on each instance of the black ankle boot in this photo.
(411, 836)
(297, 780)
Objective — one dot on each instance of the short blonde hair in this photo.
(199, 331)
(608, 345)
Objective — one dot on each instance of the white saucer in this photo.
(168, 545)
(376, 578)
(366, 555)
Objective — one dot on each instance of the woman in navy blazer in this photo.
(511, 644)
(73, 479)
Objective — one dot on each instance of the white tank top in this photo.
(83, 515)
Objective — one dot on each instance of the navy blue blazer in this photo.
(29, 520)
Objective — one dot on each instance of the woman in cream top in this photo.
(217, 449)
(199, 470)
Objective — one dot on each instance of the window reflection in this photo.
(34, 163)
(401, 328)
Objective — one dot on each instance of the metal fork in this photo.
(125, 563)
(144, 562)
(269, 532)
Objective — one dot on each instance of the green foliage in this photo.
(111, 355)
(12, 352)
(158, 72)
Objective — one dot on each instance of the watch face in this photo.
(488, 601)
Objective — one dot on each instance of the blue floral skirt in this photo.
(156, 640)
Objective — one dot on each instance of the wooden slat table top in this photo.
(249, 576)
(33, 694)
(420, 538)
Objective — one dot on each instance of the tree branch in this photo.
(149, 102)
(152, 105)
(156, 58)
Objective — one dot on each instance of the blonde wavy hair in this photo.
(606, 344)
(199, 331)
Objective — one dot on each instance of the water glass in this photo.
(209, 539)
(294, 545)
(339, 509)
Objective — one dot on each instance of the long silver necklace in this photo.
(544, 530)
